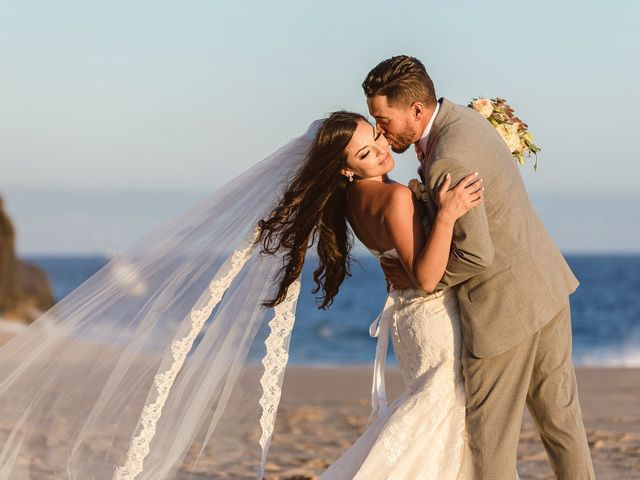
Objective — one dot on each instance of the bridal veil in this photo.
(163, 364)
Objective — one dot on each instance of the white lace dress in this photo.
(421, 435)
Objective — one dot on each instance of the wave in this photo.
(610, 357)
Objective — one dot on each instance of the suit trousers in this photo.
(537, 372)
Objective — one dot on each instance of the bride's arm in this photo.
(425, 260)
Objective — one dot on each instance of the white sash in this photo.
(380, 328)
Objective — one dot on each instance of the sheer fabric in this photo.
(163, 364)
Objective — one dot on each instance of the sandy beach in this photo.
(324, 409)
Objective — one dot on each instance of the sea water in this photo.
(605, 310)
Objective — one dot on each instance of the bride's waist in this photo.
(421, 295)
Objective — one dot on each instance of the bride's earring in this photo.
(351, 178)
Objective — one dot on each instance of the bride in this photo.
(422, 434)
(169, 361)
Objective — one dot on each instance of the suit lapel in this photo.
(441, 120)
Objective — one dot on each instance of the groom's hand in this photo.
(395, 274)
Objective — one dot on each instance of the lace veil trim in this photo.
(180, 346)
(275, 362)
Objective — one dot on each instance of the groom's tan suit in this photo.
(513, 285)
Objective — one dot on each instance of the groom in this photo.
(512, 283)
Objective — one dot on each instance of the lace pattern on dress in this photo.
(275, 362)
(163, 381)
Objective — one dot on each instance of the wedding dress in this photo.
(421, 435)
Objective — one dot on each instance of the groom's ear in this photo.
(417, 109)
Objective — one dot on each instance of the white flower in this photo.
(511, 138)
(511, 127)
(483, 106)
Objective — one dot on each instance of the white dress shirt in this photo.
(422, 143)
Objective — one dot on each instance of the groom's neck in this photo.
(426, 118)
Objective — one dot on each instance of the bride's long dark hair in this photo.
(313, 209)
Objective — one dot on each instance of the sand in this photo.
(324, 410)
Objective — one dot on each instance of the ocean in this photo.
(605, 310)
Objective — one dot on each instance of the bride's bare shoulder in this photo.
(384, 198)
(399, 201)
(398, 193)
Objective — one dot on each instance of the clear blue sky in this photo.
(179, 97)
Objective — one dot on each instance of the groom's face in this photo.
(398, 124)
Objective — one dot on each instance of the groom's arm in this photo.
(471, 250)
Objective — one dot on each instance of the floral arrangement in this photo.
(513, 131)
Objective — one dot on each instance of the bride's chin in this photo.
(388, 163)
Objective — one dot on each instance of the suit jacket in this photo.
(509, 276)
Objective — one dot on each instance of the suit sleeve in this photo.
(472, 249)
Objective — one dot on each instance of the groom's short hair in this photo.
(403, 80)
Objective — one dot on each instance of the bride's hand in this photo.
(455, 202)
